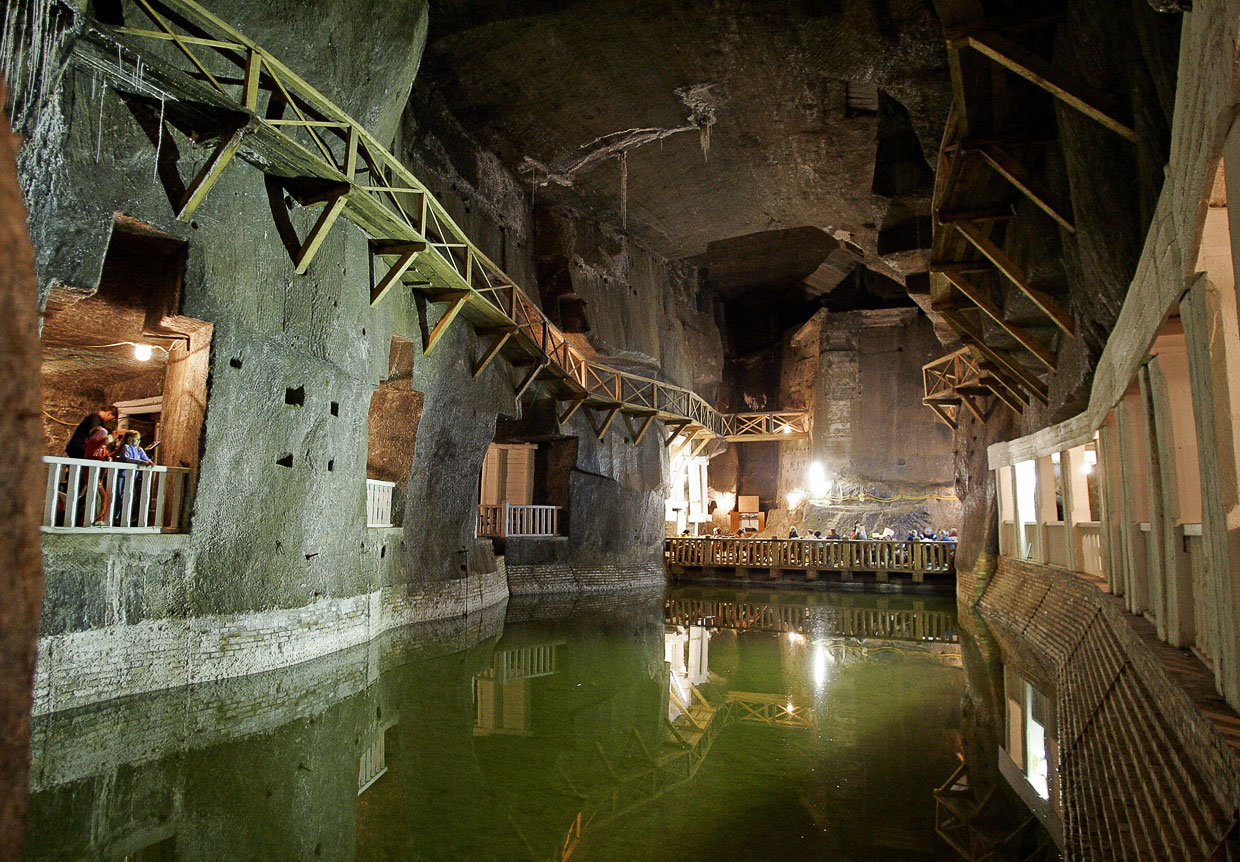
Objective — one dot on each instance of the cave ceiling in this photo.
(821, 116)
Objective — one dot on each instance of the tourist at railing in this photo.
(101, 418)
(129, 451)
(859, 532)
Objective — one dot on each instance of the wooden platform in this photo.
(809, 560)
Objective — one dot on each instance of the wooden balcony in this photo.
(85, 496)
(812, 556)
(507, 521)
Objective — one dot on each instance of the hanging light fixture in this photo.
(141, 352)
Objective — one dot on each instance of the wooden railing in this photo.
(782, 425)
(509, 521)
(875, 555)
(379, 503)
(1089, 547)
(206, 74)
(105, 496)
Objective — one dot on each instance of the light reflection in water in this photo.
(728, 724)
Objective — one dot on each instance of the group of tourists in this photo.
(858, 533)
(93, 440)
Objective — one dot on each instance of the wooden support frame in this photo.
(210, 172)
(1043, 354)
(457, 300)
(502, 334)
(1005, 362)
(951, 216)
(1016, 275)
(406, 253)
(334, 208)
(601, 430)
(318, 233)
(530, 377)
(704, 442)
(676, 427)
(637, 435)
(1019, 59)
(1030, 186)
(572, 408)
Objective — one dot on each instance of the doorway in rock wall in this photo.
(524, 488)
(128, 345)
(392, 431)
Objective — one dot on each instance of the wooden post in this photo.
(1154, 464)
(1136, 591)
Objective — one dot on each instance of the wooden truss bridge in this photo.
(957, 380)
(211, 79)
(1006, 321)
(688, 743)
(813, 557)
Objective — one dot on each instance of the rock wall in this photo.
(860, 373)
(277, 525)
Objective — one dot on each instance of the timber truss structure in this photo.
(957, 380)
(1007, 320)
(212, 80)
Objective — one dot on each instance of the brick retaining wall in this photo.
(1145, 774)
(97, 664)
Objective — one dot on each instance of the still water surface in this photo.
(703, 724)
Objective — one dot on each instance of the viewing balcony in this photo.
(379, 503)
(507, 521)
(106, 497)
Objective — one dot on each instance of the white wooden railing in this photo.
(106, 496)
(379, 503)
(1089, 547)
(509, 521)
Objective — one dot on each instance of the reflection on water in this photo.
(707, 724)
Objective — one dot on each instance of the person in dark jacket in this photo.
(76, 447)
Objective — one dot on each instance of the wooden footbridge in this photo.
(810, 559)
(210, 79)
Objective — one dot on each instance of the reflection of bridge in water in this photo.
(872, 620)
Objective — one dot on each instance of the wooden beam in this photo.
(457, 298)
(210, 172)
(676, 427)
(706, 438)
(1016, 275)
(611, 415)
(318, 233)
(394, 274)
(988, 307)
(641, 432)
(1027, 184)
(1002, 360)
(942, 414)
(965, 266)
(951, 216)
(502, 334)
(530, 377)
(572, 408)
(1096, 105)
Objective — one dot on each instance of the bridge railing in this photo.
(108, 496)
(510, 521)
(845, 555)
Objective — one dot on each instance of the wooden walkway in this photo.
(747, 558)
(212, 80)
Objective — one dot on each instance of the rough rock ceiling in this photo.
(788, 91)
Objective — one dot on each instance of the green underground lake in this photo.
(696, 724)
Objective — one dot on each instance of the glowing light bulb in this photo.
(142, 352)
(787, 429)
(795, 498)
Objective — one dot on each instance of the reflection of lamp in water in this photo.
(816, 480)
(819, 666)
(141, 352)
